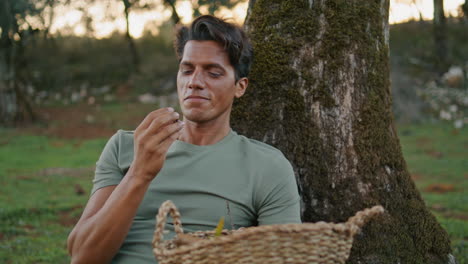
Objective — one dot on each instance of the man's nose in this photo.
(196, 80)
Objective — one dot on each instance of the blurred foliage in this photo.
(412, 45)
(81, 64)
(448, 104)
(421, 87)
(211, 6)
(36, 65)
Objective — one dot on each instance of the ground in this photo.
(47, 168)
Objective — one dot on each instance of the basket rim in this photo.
(339, 228)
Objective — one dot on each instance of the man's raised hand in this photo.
(152, 139)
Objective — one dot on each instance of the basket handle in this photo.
(356, 222)
(165, 208)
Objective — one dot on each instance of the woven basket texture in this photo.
(319, 242)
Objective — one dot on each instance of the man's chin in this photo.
(196, 117)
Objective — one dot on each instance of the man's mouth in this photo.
(195, 98)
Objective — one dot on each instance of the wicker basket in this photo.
(287, 243)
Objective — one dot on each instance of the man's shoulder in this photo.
(270, 167)
(123, 132)
(122, 140)
(261, 150)
(124, 135)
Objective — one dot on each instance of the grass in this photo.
(436, 157)
(41, 179)
(39, 205)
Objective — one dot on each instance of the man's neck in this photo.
(204, 133)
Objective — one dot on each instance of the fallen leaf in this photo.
(219, 227)
(416, 176)
(438, 208)
(24, 177)
(66, 219)
(57, 144)
(79, 190)
(435, 154)
(440, 188)
(77, 144)
(423, 141)
(28, 227)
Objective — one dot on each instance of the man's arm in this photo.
(105, 222)
(108, 216)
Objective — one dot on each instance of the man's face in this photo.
(206, 82)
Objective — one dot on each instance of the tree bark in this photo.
(131, 42)
(440, 36)
(320, 92)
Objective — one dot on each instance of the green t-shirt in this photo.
(255, 178)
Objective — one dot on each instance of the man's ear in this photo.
(241, 86)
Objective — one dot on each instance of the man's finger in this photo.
(151, 116)
(162, 121)
(166, 132)
(168, 142)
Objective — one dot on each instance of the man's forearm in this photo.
(108, 216)
(98, 238)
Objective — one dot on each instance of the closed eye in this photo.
(215, 74)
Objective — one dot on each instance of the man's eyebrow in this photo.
(187, 63)
(213, 65)
(205, 66)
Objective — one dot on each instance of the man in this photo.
(200, 164)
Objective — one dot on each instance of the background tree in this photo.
(48, 15)
(320, 92)
(464, 10)
(175, 15)
(211, 6)
(440, 37)
(140, 5)
(131, 43)
(16, 32)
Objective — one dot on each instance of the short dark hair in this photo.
(231, 37)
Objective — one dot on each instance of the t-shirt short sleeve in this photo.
(278, 201)
(107, 171)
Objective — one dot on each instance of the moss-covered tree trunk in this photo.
(320, 91)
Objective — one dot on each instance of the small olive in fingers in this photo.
(177, 120)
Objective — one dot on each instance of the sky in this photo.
(69, 20)
(404, 10)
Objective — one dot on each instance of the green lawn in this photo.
(42, 180)
(437, 158)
